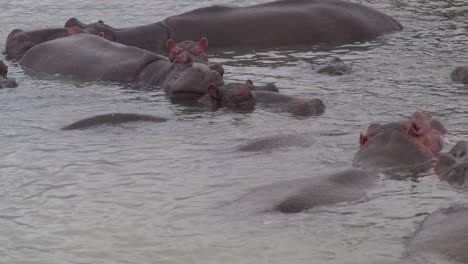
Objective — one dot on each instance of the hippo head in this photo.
(189, 80)
(196, 50)
(19, 42)
(460, 74)
(453, 166)
(99, 28)
(235, 96)
(406, 145)
(269, 87)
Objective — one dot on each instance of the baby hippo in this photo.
(460, 74)
(5, 82)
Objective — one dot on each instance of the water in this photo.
(158, 193)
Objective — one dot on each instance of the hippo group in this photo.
(171, 56)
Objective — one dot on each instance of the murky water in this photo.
(157, 193)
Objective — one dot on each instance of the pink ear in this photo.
(170, 43)
(249, 82)
(73, 31)
(203, 43)
(213, 92)
(363, 139)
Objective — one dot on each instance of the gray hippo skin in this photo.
(441, 238)
(412, 145)
(335, 67)
(20, 41)
(112, 119)
(94, 58)
(296, 195)
(274, 24)
(453, 166)
(460, 74)
(396, 145)
(6, 82)
(269, 143)
(294, 105)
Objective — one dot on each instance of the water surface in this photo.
(157, 193)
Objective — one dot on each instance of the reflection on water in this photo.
(143, 192)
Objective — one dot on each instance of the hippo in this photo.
(282, 23)
(453, 165)
(20, 41)
(460, 74)
(441, 238)
(235, 96)
(195, 50)
(291, 104)
(112, 119)
(95, 58)
(6, 82)
(335, 67)
(413, 144)
(395, 145)
(250, 94)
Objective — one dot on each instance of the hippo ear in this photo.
(249, 82)
(73, 31)
(203, 43)
(363, 139)
(213, 92)
(170, 44)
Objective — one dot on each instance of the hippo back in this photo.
(87, 57)
(282, 23)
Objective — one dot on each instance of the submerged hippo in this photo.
(453, 166)
(294, 105)
(6, 82)
(94, 58)
(112, 119)
(441, 238)
(335, 67)
(268, 143)
(19, 41)
(279, 23)
(460, 74)
(396, 145)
